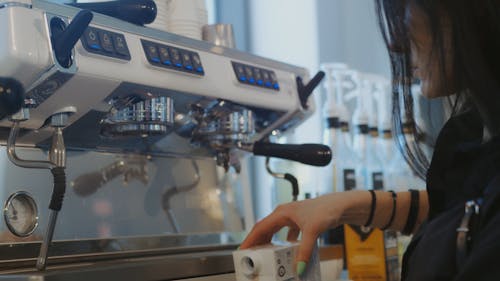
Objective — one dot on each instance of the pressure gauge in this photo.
(21, 214)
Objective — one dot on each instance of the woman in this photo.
(452, 47)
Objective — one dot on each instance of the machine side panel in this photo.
(25, 52)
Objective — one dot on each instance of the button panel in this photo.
(106, 43)
(173, 58)
(255, 76)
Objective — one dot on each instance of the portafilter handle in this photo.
(310, 154)
(138, 12)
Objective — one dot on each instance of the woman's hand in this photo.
(311, 217)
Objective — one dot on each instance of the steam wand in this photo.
(56, 164)
(171, 192)
(289, 177)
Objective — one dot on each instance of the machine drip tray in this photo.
(169, 267)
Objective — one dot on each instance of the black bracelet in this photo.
(413, 213)
(393, 213)
(372, 208)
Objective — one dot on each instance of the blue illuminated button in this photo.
(274, 80)
(152, 53)
(176, 57)
(186, 60)
(195, 59)
(267, 79)
(258, 76)
(251, 80)
(248, 72)
(240, 72)
(92, 38)
(164, 55)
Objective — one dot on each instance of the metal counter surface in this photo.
(170, 267)
(22, 256)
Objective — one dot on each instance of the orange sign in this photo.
(365, 253)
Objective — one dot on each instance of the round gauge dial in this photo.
(21, 214)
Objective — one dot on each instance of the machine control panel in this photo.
(255, 76)
(106, 43)
(173, 58)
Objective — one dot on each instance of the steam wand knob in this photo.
(306, 90)
(64, 38)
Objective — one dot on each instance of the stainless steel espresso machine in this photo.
(112, 137)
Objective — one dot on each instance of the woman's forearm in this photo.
(358, 206)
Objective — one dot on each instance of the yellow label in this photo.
(365, 253)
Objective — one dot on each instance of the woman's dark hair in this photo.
(472, 36)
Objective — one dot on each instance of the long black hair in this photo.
(473, 32)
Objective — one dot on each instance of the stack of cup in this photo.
(183, 17)
(186, 17)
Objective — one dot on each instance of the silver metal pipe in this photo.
(11, 153)
(41, 262)
(173, 221)
(271, 172)
(167, 196)
(57, 153)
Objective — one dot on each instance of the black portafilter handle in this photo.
(310, 154)
(306, 90)
(138, 12)
(88, 184)
(11, 96)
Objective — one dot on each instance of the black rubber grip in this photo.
(295, 184)
(59, 188)
(310, 154)
(64, 39)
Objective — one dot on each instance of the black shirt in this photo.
(462, 166)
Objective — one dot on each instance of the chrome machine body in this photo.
(137, 118)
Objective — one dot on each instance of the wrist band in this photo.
(413, 213)
(372, 209)
(393, 213)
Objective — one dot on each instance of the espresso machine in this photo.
(120, 130)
